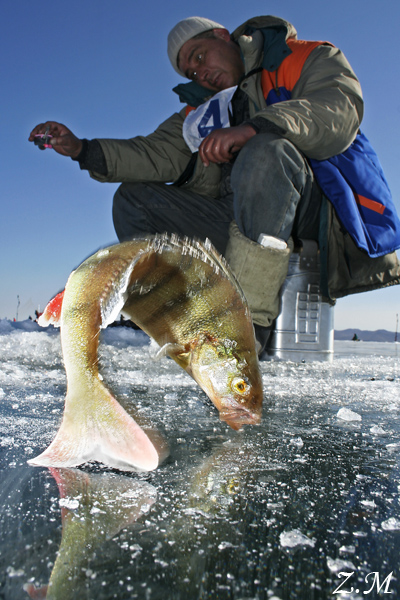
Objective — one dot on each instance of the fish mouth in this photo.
(238, 417)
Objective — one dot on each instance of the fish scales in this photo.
(205, 304)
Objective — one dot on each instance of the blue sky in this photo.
(101, 68)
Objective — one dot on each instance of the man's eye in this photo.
(199, 58)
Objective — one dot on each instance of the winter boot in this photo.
(261, 271)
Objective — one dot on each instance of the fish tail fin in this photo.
(52, 313)
(99, 429)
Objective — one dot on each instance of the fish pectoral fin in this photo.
(106, 434)
(179, 353)
(183, 360)
(52, 313)
(167, 350)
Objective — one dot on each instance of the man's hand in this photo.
(221, 144)
(63, 141)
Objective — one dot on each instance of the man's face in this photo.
(214, 62)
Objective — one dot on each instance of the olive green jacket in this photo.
(322, 119)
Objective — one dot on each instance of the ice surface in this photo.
(222, 517)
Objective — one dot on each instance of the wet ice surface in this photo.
(275, 511)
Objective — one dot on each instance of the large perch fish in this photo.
(183, 295)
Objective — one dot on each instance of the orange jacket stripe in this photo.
(371, 204)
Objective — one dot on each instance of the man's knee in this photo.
(266, 156)
(269, 179)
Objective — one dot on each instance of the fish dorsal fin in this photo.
(52, 313)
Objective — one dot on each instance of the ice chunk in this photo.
(224, 545)
(391, 524)
(171, 397)
(377, 430)
(297, 442)
(347, 550)
(345, 414)
(291, 539)
(336, 565)
(70, 503)
(368, 503)
(393, 447)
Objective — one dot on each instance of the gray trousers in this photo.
(270, 189)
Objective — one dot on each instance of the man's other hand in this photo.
(221, 144)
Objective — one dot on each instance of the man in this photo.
(269, 131)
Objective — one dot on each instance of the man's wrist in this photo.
(91, 157)
(80, 157)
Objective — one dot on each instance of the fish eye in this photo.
(240, 385)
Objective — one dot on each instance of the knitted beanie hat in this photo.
(185, 30)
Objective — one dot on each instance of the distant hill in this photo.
(380, 335)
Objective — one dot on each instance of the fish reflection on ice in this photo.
(94, 508)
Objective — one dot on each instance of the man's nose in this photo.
(202, 73)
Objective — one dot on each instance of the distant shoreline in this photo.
(380, 335)
(343, 335)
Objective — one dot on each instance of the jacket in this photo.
(322, 118)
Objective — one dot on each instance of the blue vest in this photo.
(356, 186)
